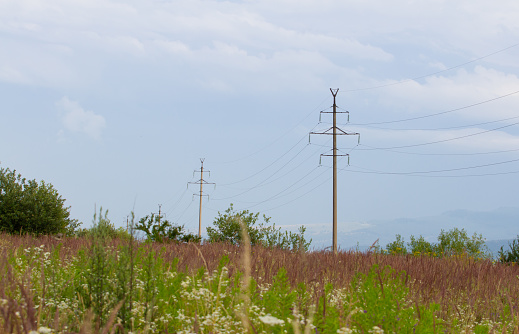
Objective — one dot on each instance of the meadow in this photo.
(84, 285)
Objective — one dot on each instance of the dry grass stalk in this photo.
(245, 284)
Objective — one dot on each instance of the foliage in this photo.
(454, 242)
(104, 268)
(27, 206)
(397, 247)
(457, 242)
(420, 246)
(510, 255)
(102, 226)
(227, 228)
(382, 301)
(161, 230)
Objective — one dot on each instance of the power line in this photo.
(310, 156)
(278, 139)
(438, 141)
(424, 175)
(438, 113)
(431, 74)
(184, 212)
(262, 182)
(177, 202)
(444, 128)
(307, 192)
(263, 169)
(304, 194)
(279, 193)
(448, 154)
(374, 171)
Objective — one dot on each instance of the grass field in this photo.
(120, 286)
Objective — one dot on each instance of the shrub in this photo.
(103, 227)
(397, 246)
(457, 242)
(161, 230)
(511, 255)
(27, 206)
(420, 246)
(227, 229)
(454, 242)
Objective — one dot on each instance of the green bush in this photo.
(454, 242)
(227, 228)
(510, 255)
(457, 242)
(161, 230)
(397, 246)
(27, 206)
(103, 227)
(420, 246)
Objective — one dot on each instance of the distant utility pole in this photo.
(201, 182)
(160, 216)
(334, 131)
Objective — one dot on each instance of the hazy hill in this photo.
(498, 227)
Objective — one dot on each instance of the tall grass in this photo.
(64, 284)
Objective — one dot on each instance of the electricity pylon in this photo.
(201, 182)
(334, 131)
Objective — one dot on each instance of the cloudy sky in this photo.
(115, 102)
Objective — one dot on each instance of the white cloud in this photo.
(10, 74)
(459, 89)
(76, 119)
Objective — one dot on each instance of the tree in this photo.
(27, 206)
(227, 228)
(458, 242)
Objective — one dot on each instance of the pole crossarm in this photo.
(337, 132)
(200, 195)
(334, 155)
(331, 112)
(202, 181)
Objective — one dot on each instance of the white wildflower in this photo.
(44, 330)
(270, 320)
(376, 330)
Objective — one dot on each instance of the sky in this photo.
(115, 102)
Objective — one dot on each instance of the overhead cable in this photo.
(430, 74)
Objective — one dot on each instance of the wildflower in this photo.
(270, 320)
(376, 330)
(44, 330)
(344, 330)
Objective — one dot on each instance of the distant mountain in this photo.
(498, 227)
